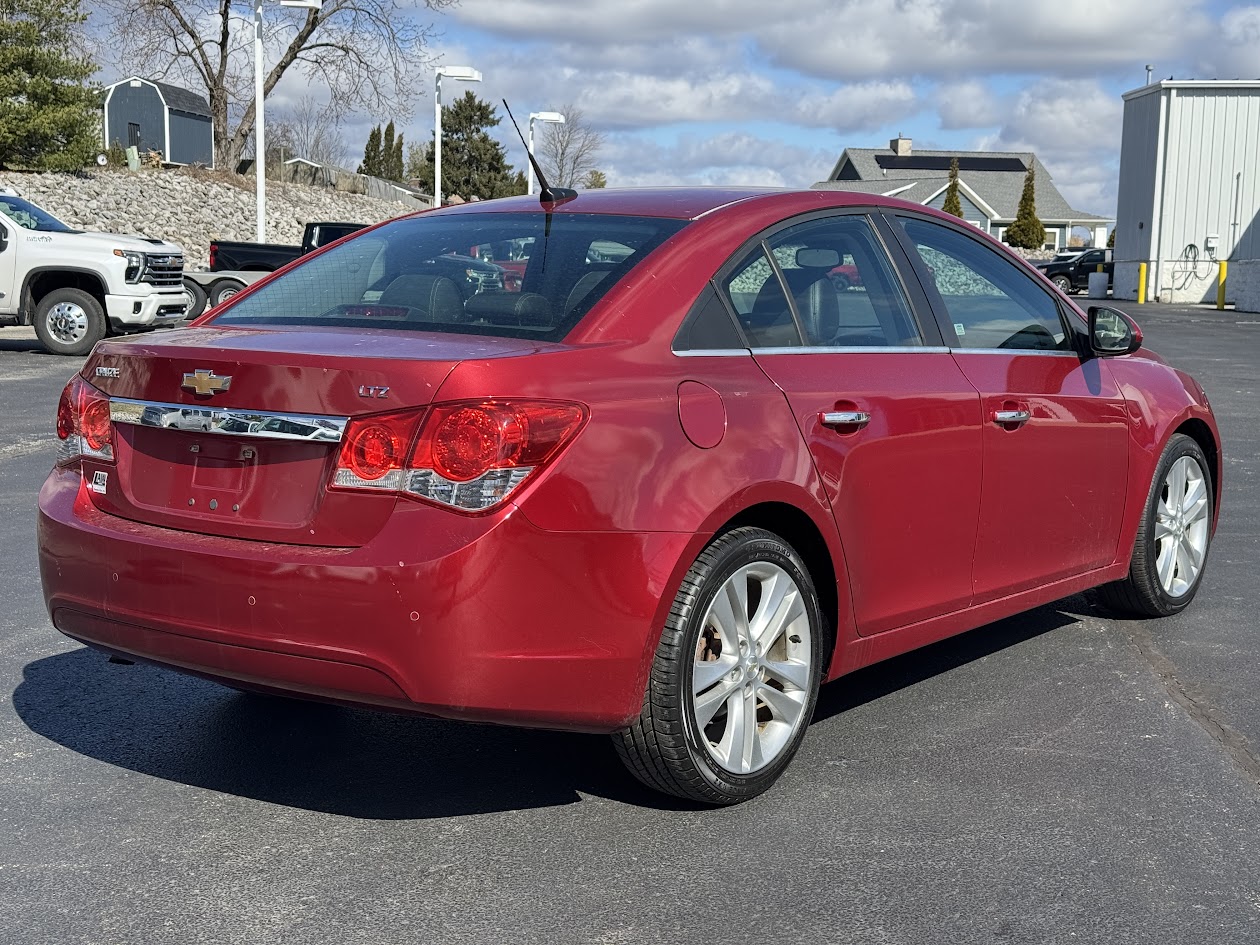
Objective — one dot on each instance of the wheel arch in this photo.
(44, 279)
(801, 532)
(1202, 434)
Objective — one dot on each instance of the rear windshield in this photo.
(519, 275)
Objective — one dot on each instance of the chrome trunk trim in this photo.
(228, 421)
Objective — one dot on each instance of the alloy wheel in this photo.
(751, 676)
(1181, 526)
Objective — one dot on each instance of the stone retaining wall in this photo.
(191, 207)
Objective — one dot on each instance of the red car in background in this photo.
(662, 491)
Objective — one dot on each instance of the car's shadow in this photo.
(377, 765)
(23, 346)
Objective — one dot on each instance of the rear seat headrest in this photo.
(509, 308)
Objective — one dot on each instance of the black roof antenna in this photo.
(545, 194)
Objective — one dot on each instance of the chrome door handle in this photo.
(846, 418)
(1011, 416)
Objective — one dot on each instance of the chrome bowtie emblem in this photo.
(205, 382)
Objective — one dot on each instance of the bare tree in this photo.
(368, 53)
(312, 131)
(568, 151)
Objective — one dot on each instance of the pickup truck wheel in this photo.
(69, 321)
(223, 290)
(1064, 284)
(196, 298)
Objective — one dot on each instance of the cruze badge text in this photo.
(108, 372)
(206, 382)
(366, 390)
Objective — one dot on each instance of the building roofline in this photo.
(1191, 84)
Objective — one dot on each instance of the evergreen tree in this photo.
(1111, 240)
(594, 180)
(952, 203)
(387, 153)
(396, 164)
(372, 155)
(1027, 232)
(48, 115)
(473, 163)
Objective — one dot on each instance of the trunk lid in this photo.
(236, 432)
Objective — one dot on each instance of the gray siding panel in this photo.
(191, 139)
(970, 212)
(140, 105)
(1139, 150)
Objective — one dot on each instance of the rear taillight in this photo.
(469, 456)
(83, 423)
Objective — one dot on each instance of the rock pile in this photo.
(191, 207)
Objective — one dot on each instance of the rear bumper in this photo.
(486, 619)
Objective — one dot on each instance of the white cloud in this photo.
(969, 104)
(733, 158)
(1074, 127)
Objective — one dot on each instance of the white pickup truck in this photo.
(76, 287)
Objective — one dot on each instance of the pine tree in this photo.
(387, 154)
(371, 165)
(1111, 240)
(48, 114)
(952, 203)
(594, 180)
(1027, 232)
(473, 163)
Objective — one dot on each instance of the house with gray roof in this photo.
(989, 186)
(156, 116)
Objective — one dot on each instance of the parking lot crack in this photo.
(1207, 716)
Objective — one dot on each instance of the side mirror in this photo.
(1112, 332)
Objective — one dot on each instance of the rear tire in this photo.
(69, 322)
(223, 290)
(1171, 549)
(197, 299)
(735, 677)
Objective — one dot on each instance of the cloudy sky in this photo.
(766, 92)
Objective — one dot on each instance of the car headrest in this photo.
(436, 298)
(509, 308)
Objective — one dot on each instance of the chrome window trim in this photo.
(712, 353)
(855, 349)
(141, 413)
(1036, 352)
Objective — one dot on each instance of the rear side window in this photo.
(522, 275)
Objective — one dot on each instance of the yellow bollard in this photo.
(1141, 283)
(1220, 285)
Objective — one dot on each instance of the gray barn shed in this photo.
(155, 116)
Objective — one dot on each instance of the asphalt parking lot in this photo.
(1056, 777)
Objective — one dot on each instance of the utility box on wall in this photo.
(1189, 187)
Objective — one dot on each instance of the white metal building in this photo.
(1189, 186)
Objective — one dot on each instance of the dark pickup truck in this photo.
(268, 257)
(1072, 275)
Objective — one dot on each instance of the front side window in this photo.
(523, 275)
(990, 301)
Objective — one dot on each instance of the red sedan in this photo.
(663, 492)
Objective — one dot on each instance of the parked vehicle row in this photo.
(664, 496)
(74, 287)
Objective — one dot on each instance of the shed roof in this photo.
(176, 98)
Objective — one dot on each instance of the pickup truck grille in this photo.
(163, 269)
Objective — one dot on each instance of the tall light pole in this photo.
(463, 74)
(533, 117)
(260, 143)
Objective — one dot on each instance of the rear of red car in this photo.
(287, 499)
